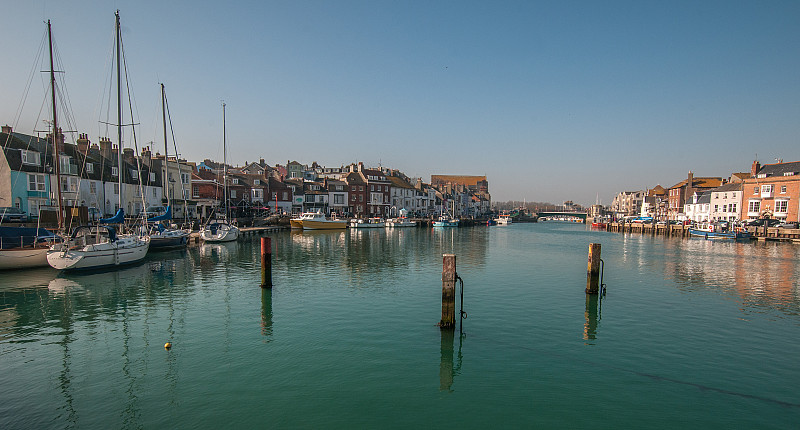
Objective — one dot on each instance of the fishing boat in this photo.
(710, 230)
(367, 223)
(504, 219)
(161, 236)
(317, 221)
(446, 221)
(95, 247)
(222, 230)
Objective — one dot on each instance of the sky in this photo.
(551, 100)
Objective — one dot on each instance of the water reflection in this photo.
(592, 316)
(266, 313)
(760, 275)
(449, 362)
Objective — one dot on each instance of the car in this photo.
(787, 225)
(9, 214)
(93, 214)
(760, 222)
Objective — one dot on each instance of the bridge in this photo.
(581, 215)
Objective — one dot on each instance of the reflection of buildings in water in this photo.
(467, 243)
(760, 274)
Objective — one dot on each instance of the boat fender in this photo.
(168, 345)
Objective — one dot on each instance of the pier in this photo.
(758, 233)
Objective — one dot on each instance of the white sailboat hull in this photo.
(126, 250)
(23, 258)
(225, 233)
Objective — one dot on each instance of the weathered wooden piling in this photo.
(448, 291)
(593, 269)
(266, 262)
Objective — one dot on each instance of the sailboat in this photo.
(99, 246)
(221, 230)
(27, 247)
(164, 237)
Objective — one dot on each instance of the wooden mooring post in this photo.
(448, 291)
(593, 269)
(266, 262)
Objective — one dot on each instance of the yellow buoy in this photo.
(168, 345)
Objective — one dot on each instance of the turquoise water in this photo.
(691, 333)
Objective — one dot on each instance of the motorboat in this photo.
(400, 222)
(367, 223)
(317, 221)
(24, 247)
(710, 230)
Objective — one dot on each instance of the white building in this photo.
(726, 202)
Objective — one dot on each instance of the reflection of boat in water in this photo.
(317, 221)
(367, 223)
(711, 230)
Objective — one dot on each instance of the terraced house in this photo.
(772, 191)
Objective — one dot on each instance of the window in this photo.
(116, 189)
(724, 208)
(360, 197)
(257, 182)
(114, 171)
(754, 206)
(353, 188)
(154, 192)
(360, 188)
(732, 208)
(184, 178)
(152, 176)
(372, 187)
(63, 163)
(29, 157)
(134, 174)
(196, 191)
(138, 191)
(235, 181)
(338, 199)
(783, 189)
(353, 197)
(781, 206)
(766, 189)
(35, 182)
(92, 187)
(233, 194)
(89, 168)
(755, 189)
(285, 195)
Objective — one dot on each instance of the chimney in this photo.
(105, 148)
(83, 143)
(755, 168)
(127, 155)
(146, 156)
(360, 166)
(7, 129)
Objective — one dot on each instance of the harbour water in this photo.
(691, 333)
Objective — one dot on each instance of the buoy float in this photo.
(168, 345)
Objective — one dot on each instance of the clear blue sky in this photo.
(553, 101)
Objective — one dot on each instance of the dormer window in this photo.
(235, 181)
(788, 173)
(89, 168)
(114, 171)
(134, 174)
(761, 175)
(257, 182)
(29, 157)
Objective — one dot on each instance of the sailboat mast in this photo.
(166, 147)
(56, 157)
(119, 111)
(224, 166)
